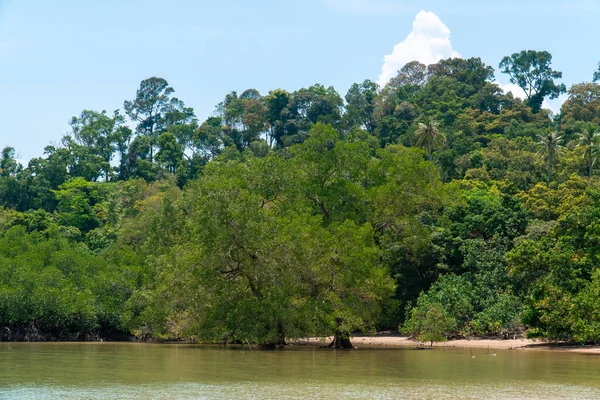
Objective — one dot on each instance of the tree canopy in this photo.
(436, 205)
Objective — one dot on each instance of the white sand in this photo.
(403, 341)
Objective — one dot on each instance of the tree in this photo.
(355, 283)
(360, 105)
(138, 159)
(596, 76)
(404, 187)
(255, 115)
(434, 325)
(441, 310)
(151, 100)
(549, 145)
(276, 103)
(471, 71)
(155, 110)
(531, 71)
(96, 133)
(12, 190)
(8, 163)
(590, 140)
(307, 107)
(583, 104)
(413, 73)
(170, 152)
(429, 136)
(256, 290)
(76, 201)
(245, 118)
(122, 138)
(208, 139)
(331, 172)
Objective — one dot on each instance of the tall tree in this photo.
(596, 76)
(360, 105)
(413, 73)
(470, 71)
(583, 103)
(309, 106)
(8, 163)
(255, 115)
(549, 145)
(152, 98)
(429, 136)
(245, 117)
(531, 71)
(96, 133)
(589, 138)
(208, 140)
(122, 138)
(155, 110)
(276, 102)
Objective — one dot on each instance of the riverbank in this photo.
(397, 341)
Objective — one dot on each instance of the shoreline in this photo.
(379, 342)
(398, 341)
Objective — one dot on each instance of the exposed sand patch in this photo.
(389, 341)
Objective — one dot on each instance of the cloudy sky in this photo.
(58, 58)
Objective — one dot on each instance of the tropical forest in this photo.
(436, 207)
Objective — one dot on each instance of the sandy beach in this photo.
(391, 341)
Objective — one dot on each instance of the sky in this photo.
(58, 58)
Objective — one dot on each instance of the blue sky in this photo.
(60, 57)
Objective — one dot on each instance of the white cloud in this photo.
(552, 105)
(515, 89)
(556, 104)
(428, 43)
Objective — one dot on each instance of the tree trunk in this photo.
(341, 341)
(549, 169)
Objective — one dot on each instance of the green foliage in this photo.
(429, 136)
(52, 290)
(532, 72)
(296, 214)
(429, 324)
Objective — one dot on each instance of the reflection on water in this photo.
(124, 371)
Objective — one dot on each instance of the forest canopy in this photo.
(437, 205)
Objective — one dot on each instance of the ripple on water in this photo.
(252, 390)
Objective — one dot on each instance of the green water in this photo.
(146, 371)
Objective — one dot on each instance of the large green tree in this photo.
(360, 105)
(155, 110)
(531, 70)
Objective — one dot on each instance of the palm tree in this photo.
(549, 146)
(590, 139)
(429, 136)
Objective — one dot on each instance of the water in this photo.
(147, 371)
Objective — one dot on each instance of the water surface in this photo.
(149, 371)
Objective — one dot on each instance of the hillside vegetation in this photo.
(437, 205)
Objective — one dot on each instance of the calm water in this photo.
(126, 371)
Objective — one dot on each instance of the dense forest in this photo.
(436, 205)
